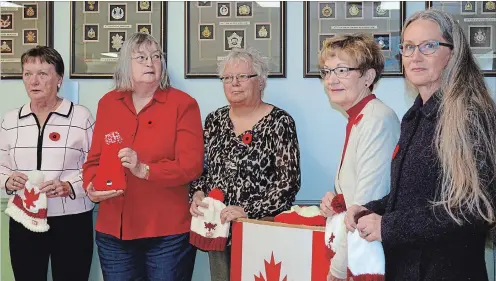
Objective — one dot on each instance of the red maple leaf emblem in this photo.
(31, 196)
(331, 239)
(272, 271)
(210, 226)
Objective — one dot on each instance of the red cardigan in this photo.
(167, 135)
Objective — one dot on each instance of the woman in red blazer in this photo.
(147, 147)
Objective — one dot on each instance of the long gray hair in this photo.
(123, 75)
(465, 137)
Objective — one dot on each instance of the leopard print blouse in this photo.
(258, 170)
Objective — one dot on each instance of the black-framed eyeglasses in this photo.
(153, 57)
(341, 71)
(426, 48)
(241, 77)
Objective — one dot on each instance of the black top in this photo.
(422, 242)
(258, 170)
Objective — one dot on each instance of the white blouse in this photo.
(365, 171)
(58, 149)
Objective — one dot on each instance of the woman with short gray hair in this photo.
(434, 222)
(252, 151)
(142, 229)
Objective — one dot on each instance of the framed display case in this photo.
(99, 28)
(478, 21)
(23, 25)
(214, 28)
(383, 20)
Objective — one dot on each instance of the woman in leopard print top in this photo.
(252, 151)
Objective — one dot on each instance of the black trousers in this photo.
(68, 242)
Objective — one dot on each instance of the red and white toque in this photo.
(207, 232)
(28, 206)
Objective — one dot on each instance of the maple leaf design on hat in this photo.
(31, 196)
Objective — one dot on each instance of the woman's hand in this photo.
(129, 159)
(56, 188)
(325, 205)
(370, 227)
(331, 277)
(197, 202)
(98, 196)
(349, 219)
(16, 181)
(231, 213)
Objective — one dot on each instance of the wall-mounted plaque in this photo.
(99, 28)
(23, 25)
(214, 28)
(383, 20)
(478, 21)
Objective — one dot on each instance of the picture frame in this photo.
(477, 19)
(98, 30)
(212, 29)
(23, 25)
(325, 19)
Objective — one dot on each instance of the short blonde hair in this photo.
(122, 75)
(360, 47)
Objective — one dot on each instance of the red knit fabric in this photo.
(207, 244)
(110, 174)
(295, 218)
(369, 277)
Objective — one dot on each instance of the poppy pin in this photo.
(54, 136)
(247, 137)
(396, 149)
(150, 124)
(357, 119)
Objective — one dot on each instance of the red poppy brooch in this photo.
(247, 138)
(337, 204)
(54, 136)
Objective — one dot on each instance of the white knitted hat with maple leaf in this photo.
(28, 206)
(207, 232)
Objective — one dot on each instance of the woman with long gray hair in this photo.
(142, 229)
(434, 222)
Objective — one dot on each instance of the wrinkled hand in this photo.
(55, 188)
(197, 202)
(231, 213)
(129, 159)
(370, 227)
(349, 219)
(325, 205)
(98, 196)
(16, 181)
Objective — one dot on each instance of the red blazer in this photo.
(167, 135)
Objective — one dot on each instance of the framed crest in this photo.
(478, 21)
(98, 30)
(23, 25)
(383, 20)
(214, 28)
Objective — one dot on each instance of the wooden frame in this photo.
(95, 57)
(324, 13)
(35, 26)
(205, 48)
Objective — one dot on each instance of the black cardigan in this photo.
(422, 242)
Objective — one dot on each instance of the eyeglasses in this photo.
(242, 77)
(154, 58)
(426, 48)
(341, 71)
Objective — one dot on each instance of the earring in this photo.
(366, 85)
(58, 85)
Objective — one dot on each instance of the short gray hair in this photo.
(258, 63)
(122, 75)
